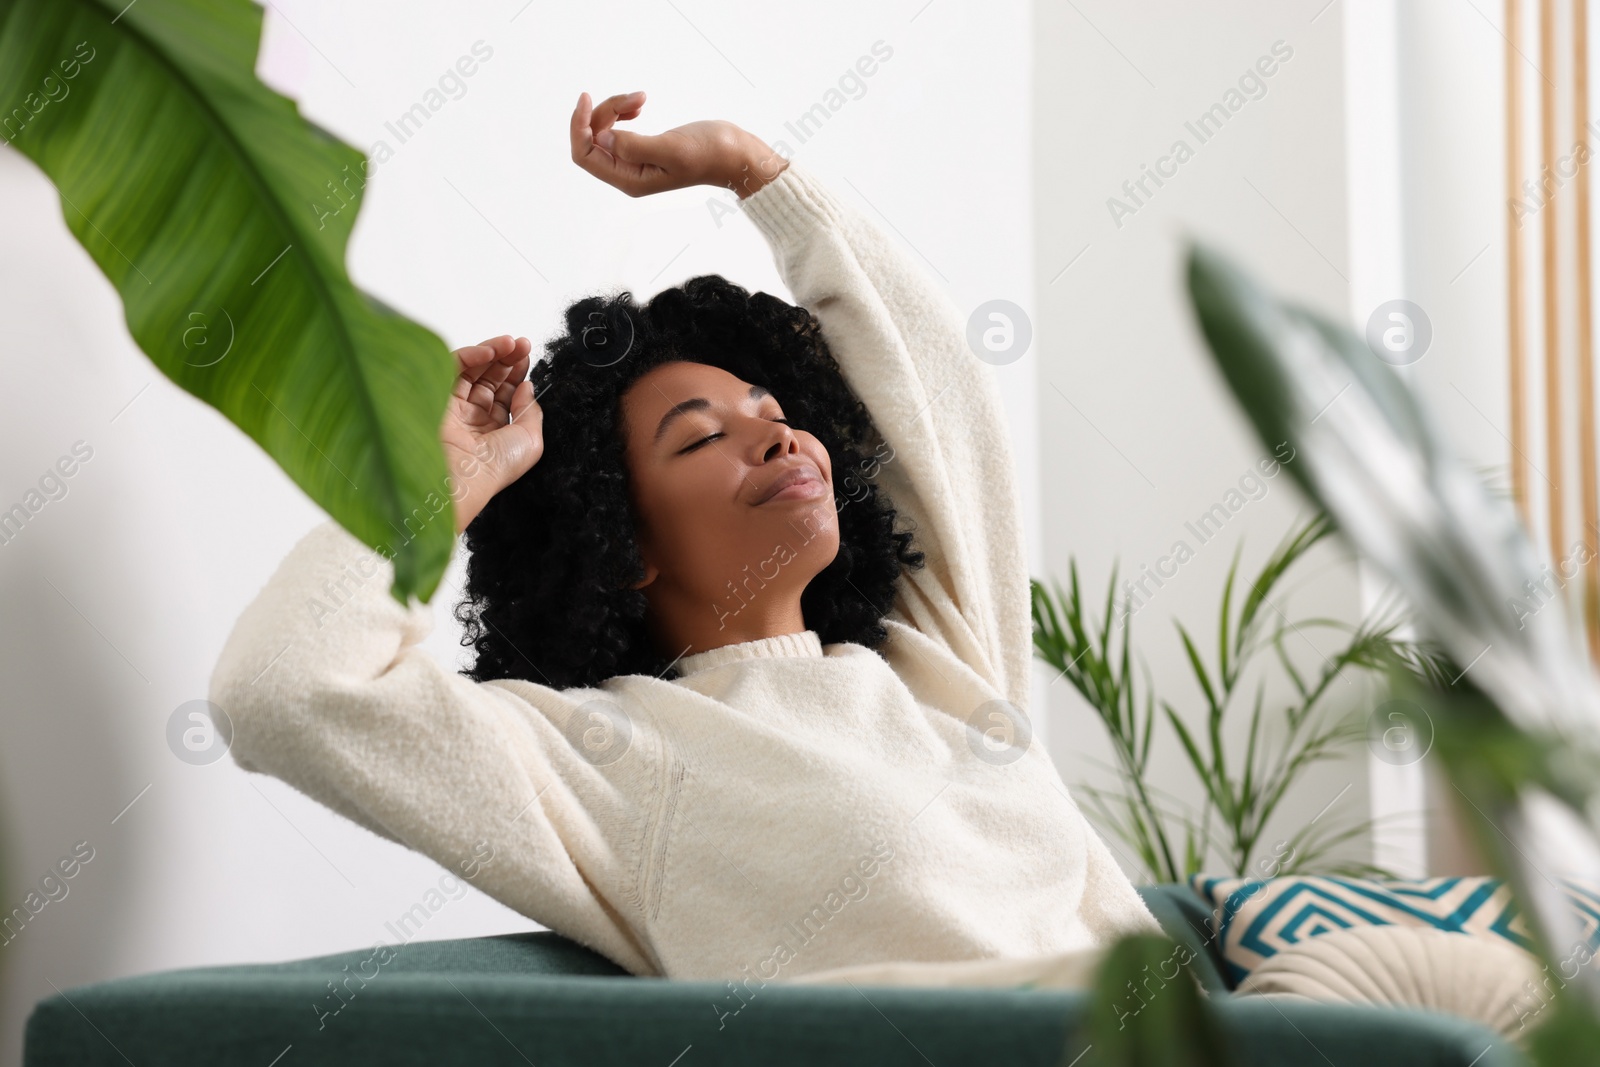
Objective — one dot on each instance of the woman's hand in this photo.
(493, 428)
(707, 152)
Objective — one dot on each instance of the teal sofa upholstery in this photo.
(539, 998)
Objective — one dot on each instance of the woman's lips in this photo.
(791, 476)
(808, 489)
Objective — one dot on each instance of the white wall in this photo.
(1138, 432)
(1455, 204)
(119, 595)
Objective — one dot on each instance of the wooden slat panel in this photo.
(1552, 282)
(1514, 265)
(1585, 298)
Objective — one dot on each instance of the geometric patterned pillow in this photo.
(1254, 918)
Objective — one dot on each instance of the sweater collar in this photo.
(803, 644)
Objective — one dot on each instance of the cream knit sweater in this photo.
(784, 808)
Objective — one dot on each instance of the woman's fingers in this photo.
(515, 375)
(490, 372)
(612, 108)
(522, 401)
(590, 120)
(472, 357)
(521, 441)
(501, 345)
(632, 162)
(471, 362)
(503, 348)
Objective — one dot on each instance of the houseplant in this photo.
(1520, 737)
(1241, 791)
(204, 197)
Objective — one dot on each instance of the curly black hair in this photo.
(552, 557)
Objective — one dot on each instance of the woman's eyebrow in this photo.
(698, 403)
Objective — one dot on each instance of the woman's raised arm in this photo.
(324, 685)
(902, 347)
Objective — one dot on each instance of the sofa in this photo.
(539, 998)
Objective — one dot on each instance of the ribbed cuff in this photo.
(791, 205)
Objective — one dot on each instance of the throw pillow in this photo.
(1253, 918)
(1484, 979)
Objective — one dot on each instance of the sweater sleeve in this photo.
(901, 345)
(323, 685)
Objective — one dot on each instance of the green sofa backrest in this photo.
(1187, 920)
(1179, 910)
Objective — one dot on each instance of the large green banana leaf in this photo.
(222, 216)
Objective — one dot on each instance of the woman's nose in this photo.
(785, 443)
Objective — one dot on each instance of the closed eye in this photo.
(712, 437)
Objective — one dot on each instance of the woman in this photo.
(725, 722)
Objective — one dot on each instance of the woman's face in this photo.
(726, 538)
